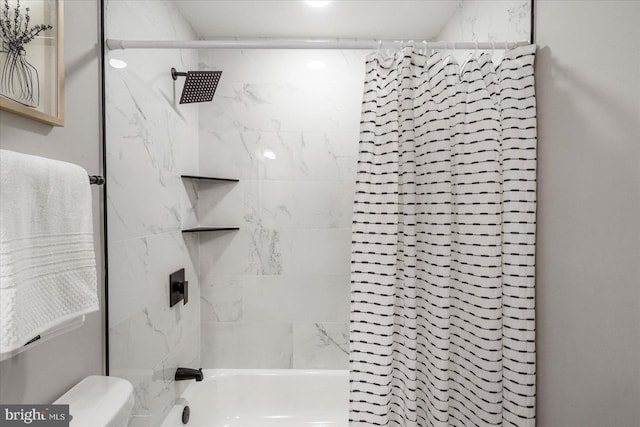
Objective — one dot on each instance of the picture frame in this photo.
(32, 59)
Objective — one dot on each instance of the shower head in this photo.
(199, 85)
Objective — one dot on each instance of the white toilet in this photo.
(99, 401)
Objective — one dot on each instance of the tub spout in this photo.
(188, 374)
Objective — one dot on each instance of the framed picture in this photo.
(31, 59)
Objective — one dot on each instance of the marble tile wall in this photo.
(151, 140)
(488, 20)
(275, 294)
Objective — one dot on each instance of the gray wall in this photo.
(44, 373)
(588, 276)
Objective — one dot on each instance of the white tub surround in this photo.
(289, 133)
(151, 141)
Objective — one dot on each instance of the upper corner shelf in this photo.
(209, 178)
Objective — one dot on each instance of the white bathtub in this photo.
(261, 398)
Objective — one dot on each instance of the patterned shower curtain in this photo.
(442, 303)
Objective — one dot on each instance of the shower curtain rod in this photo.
(115, 44)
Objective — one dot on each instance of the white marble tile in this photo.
(148, 346)
(316, 251)
(488, 20)
(168, 253)
(254, 155)
(140, 379)
(156, 337)
(160, 393)
(328, 156)
(247, 345)
(188, 200)
(306, 204)
(268, 299)
(229, 154)
(139, 275)
(219, 253)
(320, 346)
(155, 389)
(151, 140)
(145, 339)
(276, 91)
(221, 299)
(143, 202)
(149, 144)
(297, 299)
(136, 19)
(283, 107)
(126, 354)
(163, 390)
(321, 298)
(291, 136)
(129, 290)
(146, 125)
(248, 251)
(138, 419)
(228, 203)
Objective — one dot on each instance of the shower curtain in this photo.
(442, 326)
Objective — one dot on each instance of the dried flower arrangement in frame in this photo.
(31, 59)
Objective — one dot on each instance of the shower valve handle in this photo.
(178, 288)
(183, 288)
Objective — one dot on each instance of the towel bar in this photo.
(96, 179)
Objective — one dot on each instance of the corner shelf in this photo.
(207, 228)
(209, 178)
(202, 229)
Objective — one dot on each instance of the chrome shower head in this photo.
(199, 85)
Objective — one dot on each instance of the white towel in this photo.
(47, 262)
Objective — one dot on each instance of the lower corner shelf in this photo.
(209, 228)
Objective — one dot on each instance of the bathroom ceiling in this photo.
(374, 19)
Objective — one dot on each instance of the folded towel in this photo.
(47, 262)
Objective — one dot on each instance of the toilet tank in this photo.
(99, 401)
